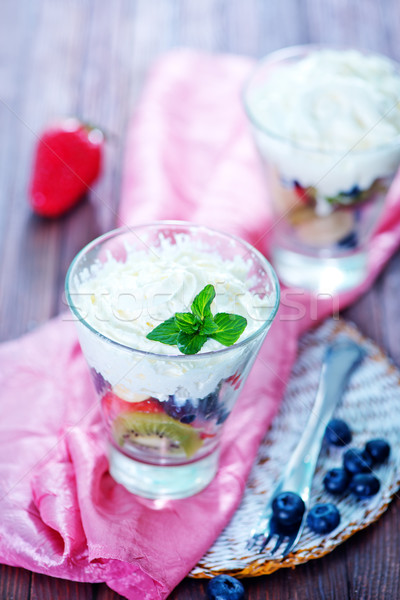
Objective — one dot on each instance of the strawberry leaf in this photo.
(166, 332)
(201, 306)
(230, 328)
(190, 343)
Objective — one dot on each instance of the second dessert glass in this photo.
(326, 202)
(164, 413)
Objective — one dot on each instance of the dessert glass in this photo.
(164, 413)
(326, 203)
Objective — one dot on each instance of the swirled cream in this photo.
(332, 100)
(124, 300)
(329, 120)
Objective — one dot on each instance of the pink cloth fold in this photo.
(189, 156)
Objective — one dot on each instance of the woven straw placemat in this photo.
(371, 406)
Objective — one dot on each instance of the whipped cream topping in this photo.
(330, 120)
(332, 100)
(126, 300)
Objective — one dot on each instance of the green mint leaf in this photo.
(166, 332)
(208, 326)
(190, 343)
(190, 330)
(202, 302)
(230, 328)
(187, 322)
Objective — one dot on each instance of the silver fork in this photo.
(340, 358)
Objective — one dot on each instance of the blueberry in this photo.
(225, 587)
(323, 518)
(336, 481)
(364, 485)
(208, 406)
(185, 412)
(357, 461)
(378, 450)
(188, 419)
(338, 432)
(100, 384)
(288, 508)
(350, 241)
(353, 192)
(223, 414)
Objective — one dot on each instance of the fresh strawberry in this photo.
(68, 160)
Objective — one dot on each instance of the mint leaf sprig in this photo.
(190, 330)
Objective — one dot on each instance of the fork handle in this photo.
(340, 359)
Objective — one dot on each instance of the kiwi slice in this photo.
(157, 431)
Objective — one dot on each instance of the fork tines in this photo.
(272, 529)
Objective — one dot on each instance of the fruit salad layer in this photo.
(158, 402)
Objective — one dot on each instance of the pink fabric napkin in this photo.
(189, 156)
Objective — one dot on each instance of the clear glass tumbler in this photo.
(326, 202)
(164, 413)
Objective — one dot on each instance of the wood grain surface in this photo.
(90, 58)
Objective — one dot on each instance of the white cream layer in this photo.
(125, 300)
(327, 104)
(333, 100)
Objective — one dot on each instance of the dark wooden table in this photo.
(90, 58)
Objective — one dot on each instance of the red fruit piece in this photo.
(152, 405)
(113, 405)
(301, 193)
(234, 380)
(67, 161)
(204, 435)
